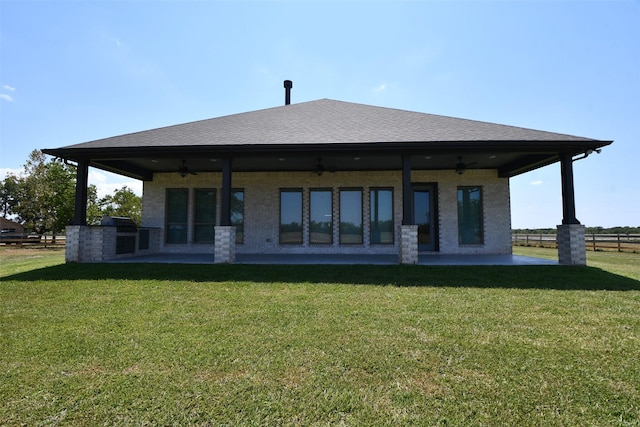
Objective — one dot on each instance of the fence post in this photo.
(593, 238)
(619, 247)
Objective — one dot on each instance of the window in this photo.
(204, 219)
(237, 214)
(320, 216)
(470, 220)
(291, 216)
(177, 207)
(351, 216)
(381, 215)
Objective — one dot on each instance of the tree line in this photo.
(42, 197)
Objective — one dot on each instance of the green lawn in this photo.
(95, 344)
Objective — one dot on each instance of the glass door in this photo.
(424, 217)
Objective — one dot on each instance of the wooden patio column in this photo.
(571, 244)
(224, 248)
(82, 180)
(407, 208)
(225, 207)
(408, 247)
(568, 194)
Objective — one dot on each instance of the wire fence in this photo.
(596, 242)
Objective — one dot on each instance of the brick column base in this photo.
(572, 249)
(72, 243)
(408, 244)
(224, 251)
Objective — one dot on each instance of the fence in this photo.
(32, 240)
(595, 242)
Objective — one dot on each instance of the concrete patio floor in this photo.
(423, 259)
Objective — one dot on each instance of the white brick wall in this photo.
(408, 244)
(225, 244)
(262, 196)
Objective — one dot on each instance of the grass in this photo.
(624, 263)
(93, 344)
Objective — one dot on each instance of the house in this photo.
(10, 228)
(324, 177)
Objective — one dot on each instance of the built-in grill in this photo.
(126, 232)
(123, 224)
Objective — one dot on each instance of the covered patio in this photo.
(332, 259)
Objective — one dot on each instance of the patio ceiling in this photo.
(144, 166)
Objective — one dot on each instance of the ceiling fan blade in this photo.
(183, 170)
(319, 169)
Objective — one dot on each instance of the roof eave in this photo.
(572, 146)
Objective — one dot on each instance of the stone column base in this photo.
(572, 249)
(224, 251)
(72, 243)
(408, 244)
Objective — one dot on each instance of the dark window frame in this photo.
(393, 216)
(331, 221)
(340, 211)
(170, 224)
(467, 237)
(196, 223)
(296, 242)
(238, 225)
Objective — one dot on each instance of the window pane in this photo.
(351, 216)
(177, 233)
(320, 220)
(470, 221)
(203, 233)
(291, 217)
(177, 211)
(204, 215)
(237, 214)
(381, 216)
(205, 209)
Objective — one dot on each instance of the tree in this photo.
(8, 194)
(94, 213)
(123, 202)
(42, 197)
(45, 194)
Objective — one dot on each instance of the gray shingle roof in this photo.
(325, 121)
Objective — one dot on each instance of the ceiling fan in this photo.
(462, 166)
(183, 170)
(320, 168)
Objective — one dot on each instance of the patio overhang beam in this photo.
(536, 154)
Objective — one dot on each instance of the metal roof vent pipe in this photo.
(288, 84)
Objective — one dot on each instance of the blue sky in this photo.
(76, 71)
